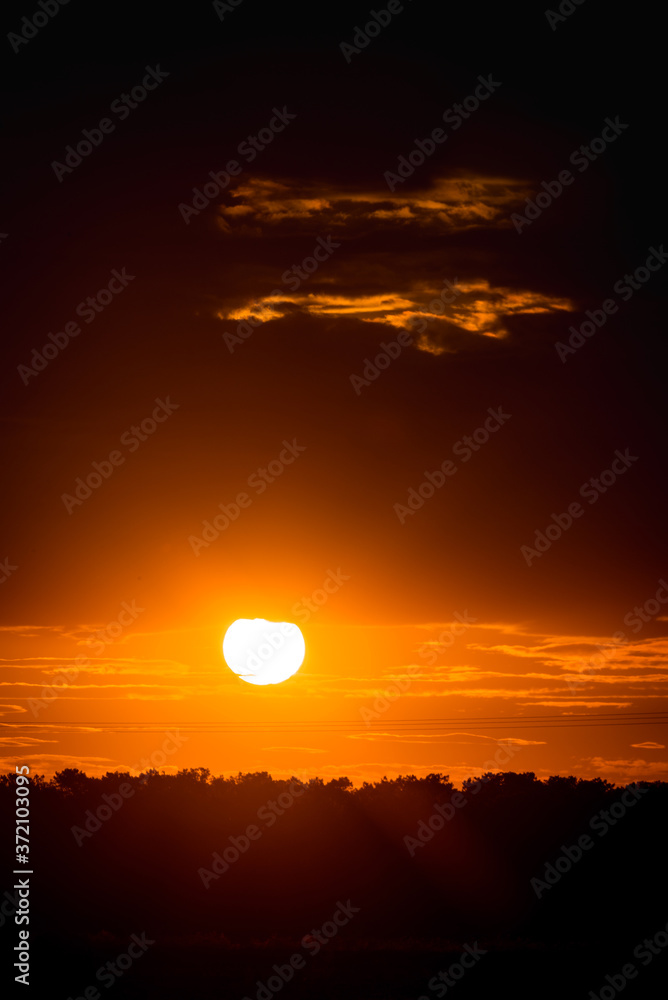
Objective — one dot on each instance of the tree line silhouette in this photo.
(251, 862)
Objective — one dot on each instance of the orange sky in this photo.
(374, 334)
(333, 717)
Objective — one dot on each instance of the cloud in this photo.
(77, 687)
(641, 770)
(48, 764)
(117, 665)
(33, 631)
(425, 738)
(593, 663)
(571, 670)
(22, 741)
(94, 767)
(461, 672)
(76, 632)
(577, 703)
(524, 743)
(453, 305)
(648, 745)
(447, 319)
(586, 651)
(450, 204)
(479, 692)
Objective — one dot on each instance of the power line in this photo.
(429, 726)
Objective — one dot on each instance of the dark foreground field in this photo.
(187, 886)
(193, 969)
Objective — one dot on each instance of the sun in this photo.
(263, 652)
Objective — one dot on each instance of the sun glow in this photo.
(263, 652)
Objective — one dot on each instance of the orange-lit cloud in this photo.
(502, 680)
(452, 738)
(624, 770)
(461, 305)
(478, 311)
(448, 204)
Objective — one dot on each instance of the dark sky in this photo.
(119, 208)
